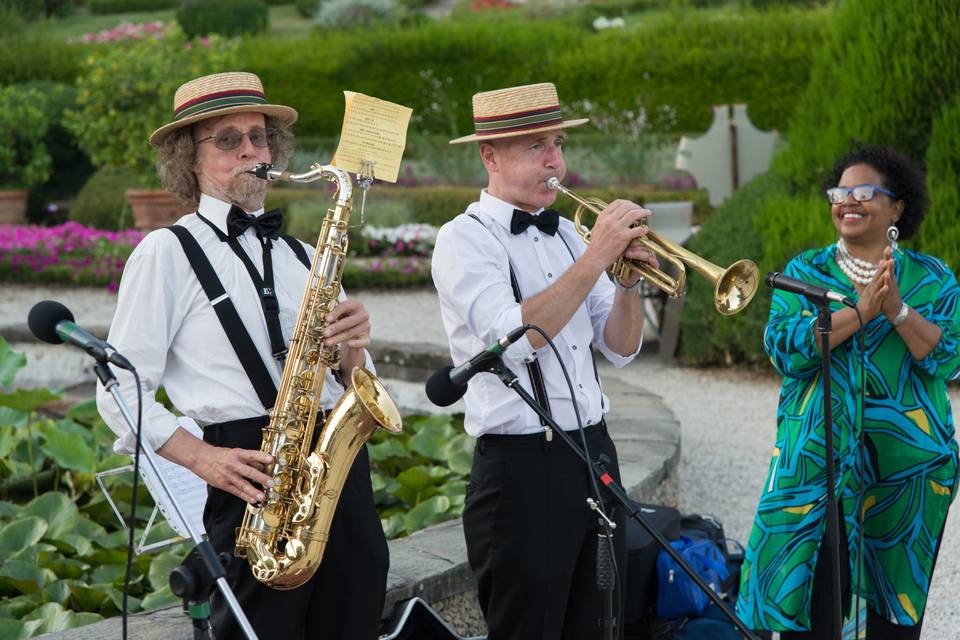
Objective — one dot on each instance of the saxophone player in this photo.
(220, 358)
(505, 262)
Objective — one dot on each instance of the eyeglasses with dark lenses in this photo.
(861, 193)
(229, 139)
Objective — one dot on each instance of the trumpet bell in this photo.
(736, 287)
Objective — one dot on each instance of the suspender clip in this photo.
(548, 434)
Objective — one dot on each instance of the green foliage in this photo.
(225, 17)
(419, 476)
(343, 14)
(102, 202)
(681, 62)
(126, 91)
(940, 233)
(24, 160)
(32, 55)
(729, 235)
(105, 7)
(307, 8)
(37, 9)
(884, 73)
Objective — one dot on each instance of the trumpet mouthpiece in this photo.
(553, 183)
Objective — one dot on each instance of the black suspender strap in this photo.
(533, 368)
(226, 312)
(298, 249)
(264, 286)
(593, 355)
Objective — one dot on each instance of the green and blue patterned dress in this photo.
(908, 464)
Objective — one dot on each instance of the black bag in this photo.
(413, 619)
(642, 551)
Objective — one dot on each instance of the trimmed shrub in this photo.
(24, 122)
(728, 236)
(126, 92)
(940, 234)
(105, 7)
(340, 14)
(678, 64)
(885, 71)
(307, 8)
(30, 56)
(102, 202)
(225, 17)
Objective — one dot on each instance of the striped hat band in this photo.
(219, 100)
(519, 121)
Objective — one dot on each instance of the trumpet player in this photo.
(225, 375)
(506, 261)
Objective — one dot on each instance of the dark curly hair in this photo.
(900, 174)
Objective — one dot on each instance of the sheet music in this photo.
(187, 487)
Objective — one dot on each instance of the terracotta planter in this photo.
(13, 206)
(156, 208)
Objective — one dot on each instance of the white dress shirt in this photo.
(471, 272)
(166, 326)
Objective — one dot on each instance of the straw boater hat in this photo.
(517, 111)
(218, 95)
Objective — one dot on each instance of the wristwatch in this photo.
(620, 287)
(901, 315)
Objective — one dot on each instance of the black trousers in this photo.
(821, 612)
(344, 598)
(532, 541)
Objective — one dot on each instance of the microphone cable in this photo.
(594, 488)
(863, 467)
(133, 502)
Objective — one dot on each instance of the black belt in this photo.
(493, 440)
(246, 433)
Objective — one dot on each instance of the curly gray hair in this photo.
(178, 154)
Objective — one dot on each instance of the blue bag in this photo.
(677, 595)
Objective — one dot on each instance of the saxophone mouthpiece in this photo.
(262, 171)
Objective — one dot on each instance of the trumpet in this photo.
(733, 287)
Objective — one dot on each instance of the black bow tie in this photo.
(547, 221)
(266, 225)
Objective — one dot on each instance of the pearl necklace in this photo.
(859, 271)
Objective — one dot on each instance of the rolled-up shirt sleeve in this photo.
(943, 361)
(599, 304)
(472, 275)
(142, 330)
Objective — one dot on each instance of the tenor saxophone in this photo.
(284, 537)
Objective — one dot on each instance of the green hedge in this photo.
(684, 60)
(102, 202)
(104, 7)
(940, 233)
(35, 56)
(226, 17)
(885, 71)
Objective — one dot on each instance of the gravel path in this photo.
(727, 417)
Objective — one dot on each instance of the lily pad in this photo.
(20, 534)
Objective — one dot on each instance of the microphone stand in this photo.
(825, 327)
(509, 378)
(204, 548)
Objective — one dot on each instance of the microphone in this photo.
(52, 322)
(776, 280)
(448, 384)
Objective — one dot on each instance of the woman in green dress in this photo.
(896, 464)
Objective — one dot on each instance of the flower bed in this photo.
(66, 254)
(74, 254)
